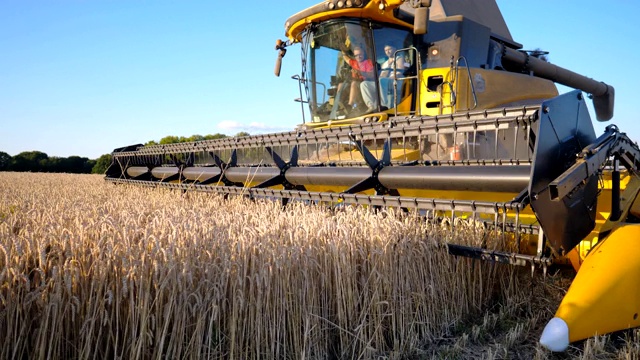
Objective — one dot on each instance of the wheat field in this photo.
(92, 270)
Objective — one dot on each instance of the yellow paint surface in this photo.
(605, 295)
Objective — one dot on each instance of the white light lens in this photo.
(555, 335)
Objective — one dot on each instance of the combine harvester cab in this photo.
(432, 107)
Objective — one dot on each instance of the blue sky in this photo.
(82, 77)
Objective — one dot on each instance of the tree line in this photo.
(38, 161)
(180, 139)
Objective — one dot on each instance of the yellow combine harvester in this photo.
(431, 106)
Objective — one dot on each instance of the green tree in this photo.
(195, 138)
(242, 133)
(170, 140)
(72, 164)
(5, 161)
(88, 166)
(215, 136)
(102, 164)
(35, 161)
(76, 164)
(55, 164)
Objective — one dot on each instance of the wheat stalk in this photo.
(93, 270)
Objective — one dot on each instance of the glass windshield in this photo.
(351, 67)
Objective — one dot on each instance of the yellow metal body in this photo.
(491, 88)
(580, 252)
(605, 295)
(377, 10)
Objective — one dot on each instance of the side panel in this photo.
(500, 89)
(493, 88)
(565, 129)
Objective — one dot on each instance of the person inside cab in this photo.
(362, 79)
(392, 67)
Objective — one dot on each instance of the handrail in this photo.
(473, 90)
(301, 100)
(418, 65)
(452, 96)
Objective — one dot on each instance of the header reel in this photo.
(499, 175)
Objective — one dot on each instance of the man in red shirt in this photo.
(363, 76)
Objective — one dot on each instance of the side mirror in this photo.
(280, 45)
(421, 17)
(603, 104)
(279, 62)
